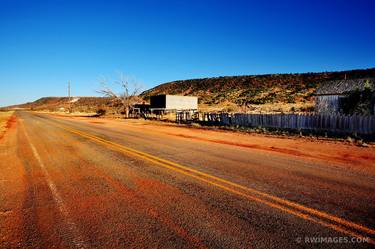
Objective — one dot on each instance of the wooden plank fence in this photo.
(336, 123)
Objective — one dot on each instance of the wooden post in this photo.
(69, 100)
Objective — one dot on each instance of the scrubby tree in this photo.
(128, 96)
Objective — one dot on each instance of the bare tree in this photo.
(130, 89)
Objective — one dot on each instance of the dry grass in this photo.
(280, 107)
(4, 116)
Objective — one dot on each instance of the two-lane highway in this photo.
(69, 183)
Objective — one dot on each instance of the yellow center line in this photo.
(199, 175)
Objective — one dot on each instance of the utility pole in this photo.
(69, 100)
(69, 90)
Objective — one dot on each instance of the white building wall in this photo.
(181, 102)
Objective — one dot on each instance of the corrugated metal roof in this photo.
(337, 87)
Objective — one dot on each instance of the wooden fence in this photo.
(335, 123)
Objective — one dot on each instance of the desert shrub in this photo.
(290, 99)
(255, 102)
(230, 109)
(307, 109)
(360, 102)
(270, 98)
(100, 112)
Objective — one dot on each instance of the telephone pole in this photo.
(69, 90)
(69, 100)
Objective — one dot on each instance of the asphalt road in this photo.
(73, 184)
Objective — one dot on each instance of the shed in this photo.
(331, 95)
(174, 102)
(141, 107)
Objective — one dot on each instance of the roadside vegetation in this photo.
(4, 117)
(360, 102)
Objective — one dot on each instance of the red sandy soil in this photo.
(10, 123)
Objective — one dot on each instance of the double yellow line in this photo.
(306, 213)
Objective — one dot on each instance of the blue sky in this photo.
(43, 44)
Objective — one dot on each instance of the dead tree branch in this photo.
(128, 95)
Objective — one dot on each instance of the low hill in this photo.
(79, 104)
(265, 93)
(271, 92)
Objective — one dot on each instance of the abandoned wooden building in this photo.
(332, 96)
